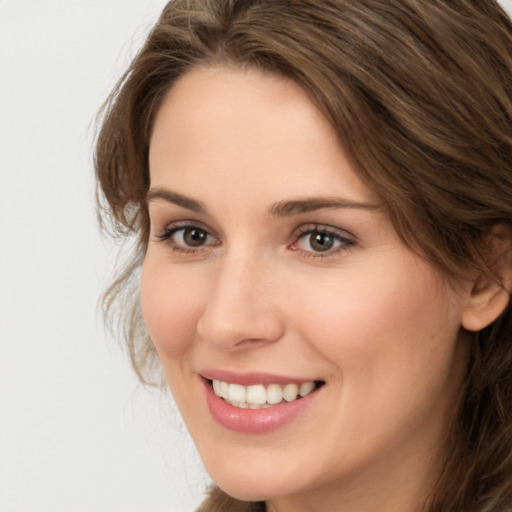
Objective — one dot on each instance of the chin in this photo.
(252, 489)
(257, 480)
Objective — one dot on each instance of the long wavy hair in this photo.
(420, 94)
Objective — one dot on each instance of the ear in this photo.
(491, 290)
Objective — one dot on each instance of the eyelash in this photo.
(171, 230)
(344, 242)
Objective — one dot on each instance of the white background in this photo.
(77, 434)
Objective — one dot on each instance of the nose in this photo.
(241, 311)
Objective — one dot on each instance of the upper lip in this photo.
(250, 378)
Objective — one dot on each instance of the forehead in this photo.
(228, 124)
(245, 103)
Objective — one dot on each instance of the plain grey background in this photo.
(77, 433)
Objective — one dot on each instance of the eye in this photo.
(187, 238)
(190, 237)
(318, 240)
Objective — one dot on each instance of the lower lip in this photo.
(254, 421)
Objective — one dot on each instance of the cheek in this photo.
(394, 358)
(384, 329)
(171, 305)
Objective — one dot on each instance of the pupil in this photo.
(194, 237)
(321, 242)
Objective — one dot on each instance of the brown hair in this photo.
(420, 93)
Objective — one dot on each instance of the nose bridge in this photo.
(239, 309)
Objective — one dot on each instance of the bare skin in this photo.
(268, 254)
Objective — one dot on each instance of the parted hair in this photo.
(420, 95)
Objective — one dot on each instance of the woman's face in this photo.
(271, 267)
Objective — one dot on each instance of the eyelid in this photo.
(324, 228)
(181, 224)
(347, 240)
(169, 230)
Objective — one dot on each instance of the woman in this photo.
(321, 197)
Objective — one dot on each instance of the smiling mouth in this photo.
(258, 396)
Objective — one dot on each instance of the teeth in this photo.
(306, 388)
(274, 394)
(236, 393)
(290, 392)
(224, 390)
(258, 396)
(216, 387)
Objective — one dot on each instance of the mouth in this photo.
(257, 403)
(260, 396)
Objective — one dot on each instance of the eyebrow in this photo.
(281, 209)
(177, 199)
(298, 206)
